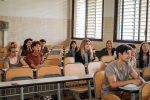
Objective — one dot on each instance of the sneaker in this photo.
(47, 98)
(76, 96)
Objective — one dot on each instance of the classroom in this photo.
(96, 45)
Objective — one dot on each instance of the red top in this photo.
(31, 59)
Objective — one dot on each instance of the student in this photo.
(44, 49)
(133, 59)
(12, 59)
(142, 58)
(92, 47)
(73, 49)
(34, 59)
(26, 48)
(85, 54)
(109, 48)
(117, 74)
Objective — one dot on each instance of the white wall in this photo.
(109, 8)
(36, 19)
(56, 9)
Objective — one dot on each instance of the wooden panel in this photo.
(107, 58)
(2, 49)
(52, 62)
(98, 80)
(69, 60)
(54, 56)
(95, 66)
(1, 64)
(16, 72)
(43, 70)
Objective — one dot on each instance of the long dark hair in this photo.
(71, 46)
(141, 61)
(25, 42)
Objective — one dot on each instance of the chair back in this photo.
(2, 54)
(69, 60)
(74, 69)
(54, 61)
(98, 81)
(51, 56)
(18, 72)
(95, 66)
(65, 55)
(2, 49)
(144, 92)
(0, 76)
(67, 47)
(59, 47)
(146, 72)
(1, 64)
(107, 58)
(44, 70)
(49, 47)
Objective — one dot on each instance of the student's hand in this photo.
(136, 82)
(38, 66)
(95, 60)
(25, 66)
(85, 63)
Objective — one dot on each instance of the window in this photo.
(87, 19)
(132, 21)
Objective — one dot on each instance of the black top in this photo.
(78, 58)
(112, 50)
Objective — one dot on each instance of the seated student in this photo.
(142, 58)
(117, 74)
(92, 47)
(109, 48)
(12, 59)
(26, 48)
(73, 49)
(34, 59)
(85, 54)
(44, 49)
(133, 59)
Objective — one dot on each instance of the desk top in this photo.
(130, 89)
(44, 81)
(55, 51)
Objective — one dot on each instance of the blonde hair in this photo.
(82, 50)
(9, 46)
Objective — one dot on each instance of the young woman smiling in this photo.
(142, 58)
(85, 54)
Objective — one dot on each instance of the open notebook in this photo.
(132, 85)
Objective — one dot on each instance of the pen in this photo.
(138, 75)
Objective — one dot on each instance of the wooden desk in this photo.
(130, 90)
(43, 81)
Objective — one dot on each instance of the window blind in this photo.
(131, 20)
(88, 19)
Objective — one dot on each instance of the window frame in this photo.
(115, 26)
(92, 39)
